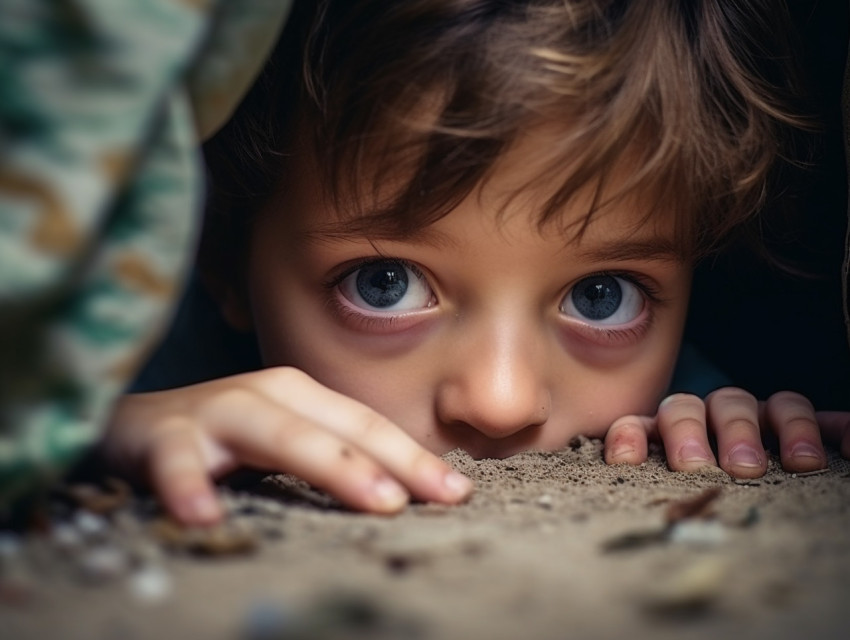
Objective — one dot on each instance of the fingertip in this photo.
(692, 456)
(746, 461)
(178, 477)
(200, 508)
(626, 442)
(624, 454)
(835, 429)
(457, 487)
(804, 457)
(387, 496)
(678, 400)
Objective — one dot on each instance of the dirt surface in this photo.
(552, 545)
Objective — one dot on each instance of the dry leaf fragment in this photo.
(101, 500)
(220, 540)
(695, 507)
(635, 540)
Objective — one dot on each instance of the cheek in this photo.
(591, 407)
(590, 398)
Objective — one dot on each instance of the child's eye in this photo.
(387, 285)
(604, 300)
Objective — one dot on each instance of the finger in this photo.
(424, 474)
(264, 434)
(792, 418)
(733, 416)
(835, 426)
(682, 427)
(179, 477)
(626, 440)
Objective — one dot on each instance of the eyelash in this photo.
(336, 279)
(608, 335)
(611, 336)
(365, 321)
(647, 286)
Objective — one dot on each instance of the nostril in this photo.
(481, 442)
(497, 401)
(499, 421)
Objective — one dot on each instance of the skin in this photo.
(479, 354)
(483, 352)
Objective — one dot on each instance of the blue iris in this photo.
(382, 284)
(597, 297)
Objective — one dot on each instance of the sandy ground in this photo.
(554, 545)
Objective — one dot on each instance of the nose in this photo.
(495, 383)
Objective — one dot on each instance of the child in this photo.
(473, 224)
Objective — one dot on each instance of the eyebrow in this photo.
(338, 232)
(626, 249)
(655, 248)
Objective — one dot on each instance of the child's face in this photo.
(480, 332)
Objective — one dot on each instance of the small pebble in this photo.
(271, 532)
(272, 508)
(10, 545)
(544, 501)
(144, 552)
(126, 522)
(707, 533)
(66, 537)
(90, 525)
(103, 564)
(267, 621)
(151, 584)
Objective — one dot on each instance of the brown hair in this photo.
(695, 94)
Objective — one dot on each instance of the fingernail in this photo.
(389, 495)
(745, 456)
(621, 451)
(666, 400)
(458, 485)
(806, 450)
(694, 452)
(202, 508)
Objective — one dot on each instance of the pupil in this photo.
(597, 297)
(382, 284)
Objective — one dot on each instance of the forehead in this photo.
(514, 191)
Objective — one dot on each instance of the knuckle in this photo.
(229, 399)
(681, 400)
(285, 430)
(295, 434)
(627, 424)
(798, 423)
(790, 399)
(682, 407)
(422, 459)
(285, 376)
(169, 432)
(370, 424)
(687, 423)
(731, 395)
(740, 426)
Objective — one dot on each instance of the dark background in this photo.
(767, 329)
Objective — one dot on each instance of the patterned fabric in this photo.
(102, 104)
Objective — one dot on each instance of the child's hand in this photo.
(737, 420)
(278, 419)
